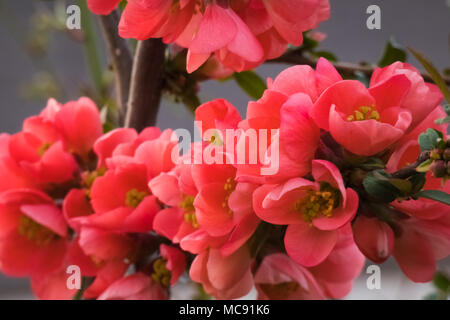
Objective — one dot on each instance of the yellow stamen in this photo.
(229, 187)
(317, 203)
(134, 197)
(44, 147)
(189, 211)
(39, 234)
(161, 274)
(364, 113)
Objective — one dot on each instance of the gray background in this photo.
(421, 24)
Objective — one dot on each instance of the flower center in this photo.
(44, 147)
(189, 211)
(318, 203)
(35, 232)
(160, 273)
(229, 187)
(134, 197)
(364, 113)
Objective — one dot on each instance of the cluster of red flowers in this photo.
(134, 215)
(241, 34)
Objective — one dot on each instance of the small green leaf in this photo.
(377, 184)
(308, 43)
(251, 83)
(441, 281)
(429, 139)
(424, 166)
(443, 120)
(372, 164)
(436, 195)
(435, 75)
(393, 52)
(325, 54)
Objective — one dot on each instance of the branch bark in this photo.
(146, 84)
(345, 69)
(122, 60)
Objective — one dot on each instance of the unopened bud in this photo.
(446, 154)
(438, 168)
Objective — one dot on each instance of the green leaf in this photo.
(308, 43)
(436, 195)
(424, 166)
(91, 47)
(429, 139)
(434, 73)
(393, 52)
(251, 83)
(441, 281)
(325, 54)
(404, 186)
(443, 120)
(417, 181)
(377, 184)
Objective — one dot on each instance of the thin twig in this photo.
(346, 69)
(146, 84)
(411, 169)
(121, 57)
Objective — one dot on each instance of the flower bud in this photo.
(446, 154)
(374, 238)
(438, 168)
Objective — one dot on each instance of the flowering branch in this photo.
(122, 59)
(346, 69)
(146, 84)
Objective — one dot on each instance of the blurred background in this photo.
(40, 58)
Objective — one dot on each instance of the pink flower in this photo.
(39, 151)
(222, 31)
(374, 238)
(80, 126)
(279, 277)
(177, 190)
(419, 244)
(175, 263)
(122, 201)
(143, 19)
(285, 106)
(375, 118)
(421, 99)
(137, 286)
(11, 174)
(223, 277)
(54, 286)
(241, 34)
(33, 233)
(102, 6)
(313, 210)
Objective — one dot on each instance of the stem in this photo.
(122, 60)
(146, 84)
(90, 42)
(411, 169)
(346, 69)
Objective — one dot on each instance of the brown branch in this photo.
(346, 69)
(146, 84)
(122, 59)
(408, 171)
